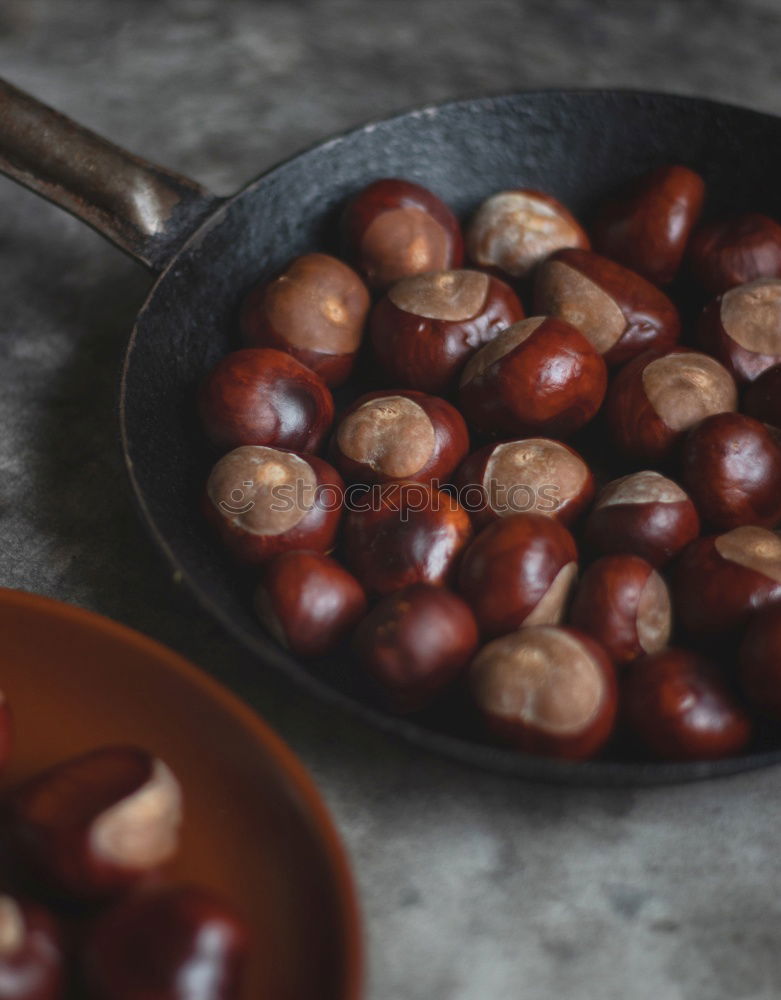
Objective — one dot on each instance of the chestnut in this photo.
(266, 397)
(519, 571)
(742, 328)
(404, 533)
(676, 705)
(623, 603)
(721, 580)
(6, 731)
(618, 311)
(535, 474)
(731, 467)
(763, 397)
(405, 435)
(172, 943)
(646, 514)
(654, 399)
(425, 328)
(540, 376)
(646, 226)
(308, 602)
(414, 643)
(760, 663)
(263, 501)
(546, 690)
(734, 251)
(31, 952)
(512, 231)
(394, 228)
(315, 310)
(97, 823)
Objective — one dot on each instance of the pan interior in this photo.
(575, 145)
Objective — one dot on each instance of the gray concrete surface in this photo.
(473, 888)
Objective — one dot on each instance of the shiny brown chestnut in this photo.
(540, 376)
(623, 603)
(742, 328)
(721, 580)
(414, 643)
(512, 231)
(31, 952)
(6, 731)
(308, 602)
(266, 397)
(654, 399)
(676, 705)
(532, 474)
(646, 514)
(731, 468)
(425, 328)
(646, 226)
(402, 435)
(263, 501)
(734, 251)
(519, 571)
(315, 310)
(100, 822)
(760, 663)
(618, 311)
(546, 690)
(171, 943)
(404, 533)
(763, 397)
(394, 228)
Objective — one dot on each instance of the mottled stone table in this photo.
(473, 888)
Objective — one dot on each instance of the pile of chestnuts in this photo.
(549, 487)
(85, 910)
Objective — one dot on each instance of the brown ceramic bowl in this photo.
(255, 828)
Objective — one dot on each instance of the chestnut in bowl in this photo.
(735, 250)
(519, 571)
(742, 328)
(618, 311)
(731, 467)
(6, 731)
(425, 328)
(644, 513)
(170, 943)
(387, 437)
(414, 643)
(315, 310)
(721, 580)
(760, 663)
(540, 376)
(646, 226)
(763, 397)
(654, 399)
(404, 533)
(532, 474)
(308, 602)
(546, 690)
(263, 501)
(98, 823)
(623, 603)
(265, 397)
(512, 231)
(31, 952)
(676, 705)
(394, 228)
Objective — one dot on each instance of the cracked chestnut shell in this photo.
(742, 328)
(315, 310)
(618, 311)
(540, 376)
(519, 571)
(546, 690)
(647, 224)
(31, 952)
(677, 707)
(735, 250)
(425, 328)
(394, 228)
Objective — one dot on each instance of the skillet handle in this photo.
(143, 209)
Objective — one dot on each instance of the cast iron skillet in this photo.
(207, 251)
